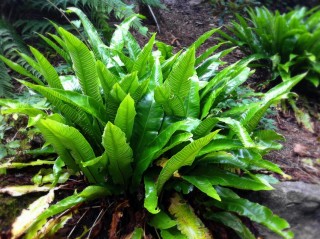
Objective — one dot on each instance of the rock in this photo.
(298, 203)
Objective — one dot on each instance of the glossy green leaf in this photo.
(88, 194)
(221, 177)
(93, 35)
(58, 49)
(232, 221)
(256, 111)
(147, 124)
(47, 70)
(140, 64)
(240, 131)
(221, 144)
(183, 158)
(203, 185)
(137, 233)
(16, 67)
(125, 116)
(119, 154)
(71, 146)
(57, 97)
(162, 221)
(263, 215)
(84, 65)
(151, 197)
(157, 146)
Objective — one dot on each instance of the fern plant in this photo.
(29, 15)
(135, 117)
(288, 41)
(10, 44)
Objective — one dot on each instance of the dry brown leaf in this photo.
(301, 150)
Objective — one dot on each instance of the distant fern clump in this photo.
(10, 44)
(29, 15)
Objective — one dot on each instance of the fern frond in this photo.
(10, 44)
(5, 84)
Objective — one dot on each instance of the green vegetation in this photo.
(128, 117)
(30, 17)
(289, 41)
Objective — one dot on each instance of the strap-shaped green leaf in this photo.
(58, 49)
(129, 83)
(192, 103)
(183, 158)
(263, 215)
(221, 144)
(178, 79)
(84, 64)
(256, 112)
(95, 41)
(151, 197)
(156, 77)
(203, 38)
(208, 68)
(88, 194)
(125, 116)
(132, 46)
(127, 61)
(223, 158)
(117, 93)
(71, 146)
(205, 127)
(16, 67)
(158, 145)
(47, 70)
(140, 64)
(31, 61)
(207, 53)
(221, 177)
(15, 106)
(166, 50)
(204, 185)
(162, 221)
(240, 131)
(57, 97)
(107, 79)
(119, 36)
(147, 124)
(119, 154)
(60, 41)
(232, 221)
(174, 141)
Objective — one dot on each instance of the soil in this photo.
(181, 23)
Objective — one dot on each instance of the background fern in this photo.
(28, 18)
(10, 44)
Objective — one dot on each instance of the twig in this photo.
(101, 214)
(154, 18)
(65, 16)
(77, 223)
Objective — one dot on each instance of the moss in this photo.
(11, 207)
